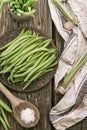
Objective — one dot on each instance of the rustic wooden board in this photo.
(46, 97)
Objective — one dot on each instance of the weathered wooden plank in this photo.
(59, 46)
(76, 127)
(84, 124)
(6, 23)
(42, 97)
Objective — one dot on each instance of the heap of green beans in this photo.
(27, 57)
(20, 7)
(23, 7)
(65, 13)
(3, 119)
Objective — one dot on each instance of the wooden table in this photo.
(46, 97)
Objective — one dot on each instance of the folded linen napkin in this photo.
(64, 115)
(80, 10)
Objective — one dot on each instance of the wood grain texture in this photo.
(41, 98)
(84, 124)
(46, 97)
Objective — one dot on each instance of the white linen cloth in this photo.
(61, 115)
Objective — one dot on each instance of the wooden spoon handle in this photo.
(14, 100)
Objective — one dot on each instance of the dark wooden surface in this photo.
(46, 97)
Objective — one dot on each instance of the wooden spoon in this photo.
(18, 105)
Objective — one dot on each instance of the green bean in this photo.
(24, 7)
(21, 35)
(13, 51)
(31, 3)
(27, 55)
(20, 11)
(4, 125)
(11, 48)
(27, 49)
(28, 42)
(22, 47)
(25, 1)
(10, 78)
(30, 13)
(31, 61)
(47, 62)
(36, 76)
(5, 106)
(28, 58)
(65, 12)
(34, 51)
(79, 62)
(20, 66)
(17, 2)
(4, 117)
(31, 80)
(34, 56)
(17, 80)
(74, 70)
(45, 43)
(8, 69)
(37, 62)
(20, 2)
(20, 7)
(53, 64)
(13, 41)
(41, 59)
(48, 67)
